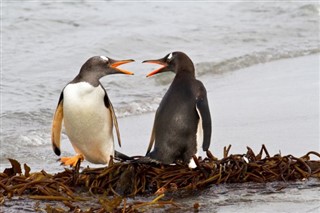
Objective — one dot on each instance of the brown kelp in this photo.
(141, 176)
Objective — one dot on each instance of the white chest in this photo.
(87, 121)
(83, 107)
(83, 96)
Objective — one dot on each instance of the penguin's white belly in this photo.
(88, 122)
(192, 164)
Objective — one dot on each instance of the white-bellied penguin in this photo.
(182, 121)
(88, 114)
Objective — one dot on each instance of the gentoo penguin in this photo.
(182, 121)
(88, 114)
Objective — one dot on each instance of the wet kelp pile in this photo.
(110, 186)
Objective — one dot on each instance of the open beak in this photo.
(157, 61)
(115, 63)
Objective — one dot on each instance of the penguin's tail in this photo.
(136, 159)
(122, 156)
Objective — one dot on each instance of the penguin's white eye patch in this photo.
(170, 56)
(104, 58)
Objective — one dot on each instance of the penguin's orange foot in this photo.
(71, 161)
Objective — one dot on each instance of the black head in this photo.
(98, 66)
(176, 62)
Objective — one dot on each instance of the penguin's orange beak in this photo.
(161, 61)
(115, 63)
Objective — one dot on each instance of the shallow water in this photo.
(45, 43)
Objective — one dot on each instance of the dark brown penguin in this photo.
(183, 119)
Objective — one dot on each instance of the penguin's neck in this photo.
(90, 79)
(184, 75)
(80, 89)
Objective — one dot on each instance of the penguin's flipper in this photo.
(152, 138)
(115, 122)
(109, 106)
(202, 107)
(56, 127)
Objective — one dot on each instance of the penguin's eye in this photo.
(169, 58)
(104, 58)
